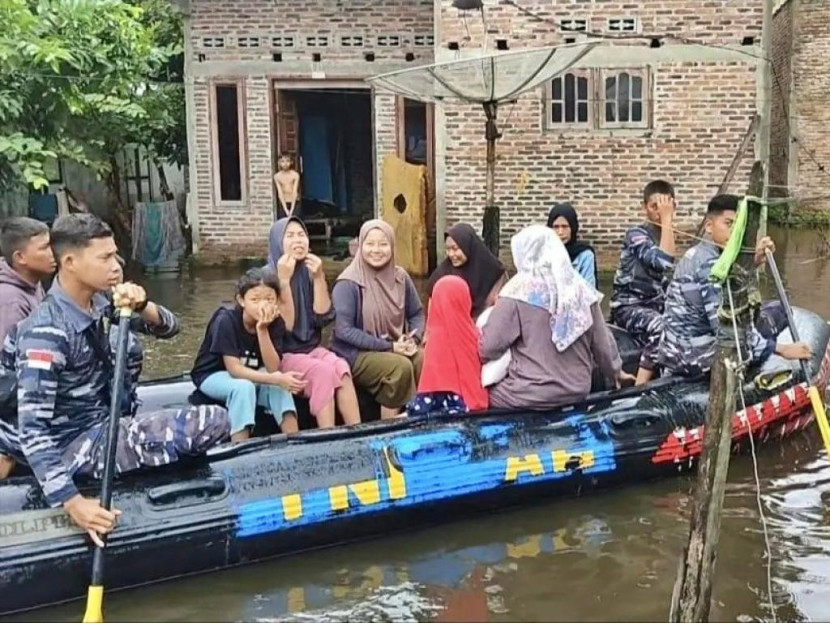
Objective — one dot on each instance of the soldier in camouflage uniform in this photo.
(690, 322)
(642, 277)
(64, 367)
(167, 328)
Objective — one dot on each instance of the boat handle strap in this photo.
(206, 488)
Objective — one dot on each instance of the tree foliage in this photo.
(81, 79)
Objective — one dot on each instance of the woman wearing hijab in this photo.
(305, 294)
(379, 321)
(563, 220)
(550, 320)
(451, 361)
(469, 258)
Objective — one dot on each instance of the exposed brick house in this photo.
(594, 136)
(801, 115)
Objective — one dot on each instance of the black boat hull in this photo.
(275, 496)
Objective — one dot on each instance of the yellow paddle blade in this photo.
(94, 605)
(821, 417)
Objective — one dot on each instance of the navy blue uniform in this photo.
(63, 399)
(639, 293)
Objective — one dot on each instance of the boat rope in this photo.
(739, 371)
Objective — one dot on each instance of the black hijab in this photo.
(301, 288)
(574, 246)
(481, 271)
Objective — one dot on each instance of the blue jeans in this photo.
(241, 397)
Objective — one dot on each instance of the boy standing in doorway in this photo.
(287, 181)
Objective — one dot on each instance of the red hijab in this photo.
(451, 361)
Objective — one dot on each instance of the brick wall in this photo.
(230, 37)
(701, 111)
(782, 34)
(810, 113)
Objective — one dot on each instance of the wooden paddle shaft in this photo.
(112, 434)
(782, 296)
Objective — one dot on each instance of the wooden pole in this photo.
(693, 590)
(765, 93)
(491, 226)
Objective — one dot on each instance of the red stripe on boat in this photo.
(790, 406)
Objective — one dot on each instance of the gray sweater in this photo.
(349, 338)
(539, 375)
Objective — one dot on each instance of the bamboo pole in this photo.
(691, 599)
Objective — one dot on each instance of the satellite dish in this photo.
(468, 5)
(487, 80)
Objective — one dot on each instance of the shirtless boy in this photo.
(287, 181)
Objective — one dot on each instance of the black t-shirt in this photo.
(226, 335)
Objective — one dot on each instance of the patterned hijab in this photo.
(546, 279)
(383, 290)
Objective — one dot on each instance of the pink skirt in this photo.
(322, 370)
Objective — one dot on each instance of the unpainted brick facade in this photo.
(694, 113)
(700, 113)
(235, 42)
(801, 92)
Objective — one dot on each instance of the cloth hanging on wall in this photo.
(157, 234)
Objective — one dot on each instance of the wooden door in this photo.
(288, 127)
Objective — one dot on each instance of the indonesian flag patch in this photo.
(39, 359)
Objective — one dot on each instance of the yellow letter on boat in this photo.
(366, 492)
(561, 458)
(528, 463)
(292, 506)
(396, 481)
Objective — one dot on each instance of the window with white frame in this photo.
(598, 99)
(624, 99)
(570, 99)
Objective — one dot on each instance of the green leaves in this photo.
(77, 81)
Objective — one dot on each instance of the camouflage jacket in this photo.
(63, 387)
(642, 275)
(690, 321)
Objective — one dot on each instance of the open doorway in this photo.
(328, 135)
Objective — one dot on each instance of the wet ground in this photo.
(608, 557)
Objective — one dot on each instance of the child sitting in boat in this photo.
(563, 220)
(451, 378)
(639, 293)
(308, 308)
(379, 320)
(691, 318)
(469, 258)
(239, 342)
(549, 318)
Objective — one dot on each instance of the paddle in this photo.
(95, 597)
(815, 398)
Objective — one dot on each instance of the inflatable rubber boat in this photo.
(276, 495)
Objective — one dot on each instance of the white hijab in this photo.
(546, 278)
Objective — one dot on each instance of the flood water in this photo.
(610, 556)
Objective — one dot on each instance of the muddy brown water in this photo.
(607, 557)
